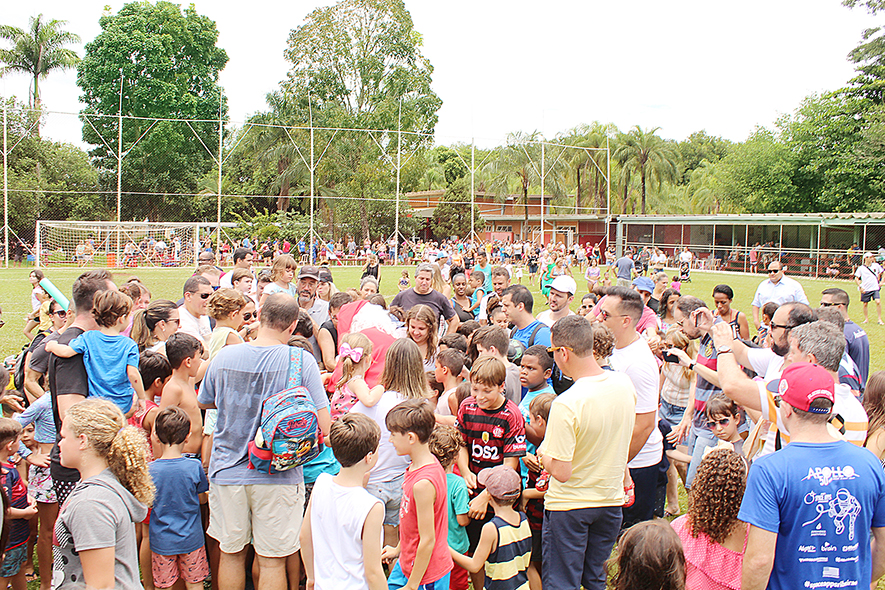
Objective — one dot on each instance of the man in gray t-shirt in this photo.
(624, 269)
(245, 505)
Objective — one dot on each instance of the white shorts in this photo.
(267, 516)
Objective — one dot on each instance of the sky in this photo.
(502, 66)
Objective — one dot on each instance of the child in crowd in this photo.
(111, 359)
(423, 551)
(456, 341)
(344, 549)
(176, 538)
(498, 317)
(761, 337)
(226, 307)
(494, 432)
(449, 364)
(536, 368)
(649, 556)
(445, 444)
(603, 345)
(493, 341)
(184, 353)
(724, 418)
(355, 354)
(281, 273)
(404, 282)
(536, 484)
(476, 281)
(505, 545)
(22, 509)
(39, 426)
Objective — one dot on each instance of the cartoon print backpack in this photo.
(289, 434)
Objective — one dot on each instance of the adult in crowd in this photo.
(210, 272)
(856, 338)
(327, 334)
(667, 307)
(192, 312)
(585, 451)
(867, 277)
(368, 287)
(460, 300)
(712, 536)
(849, 374)
(661, 283)
(68, 383)
(817, 494)
(621, 310)
(723, 295)
(326, 285)
(500, 281)
(685, 257)
(207, 258)
(778, 288)
(482, 263)
(815, 342)
(247, 506)
(423, 293)
(518, 302)
(562, 293)
(243, 258)
(658, 261)
(316, 308)
(37, 359)
(624, 270)
(648, 322)
(152, 326)
(370, 268)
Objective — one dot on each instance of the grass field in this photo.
(166, 283)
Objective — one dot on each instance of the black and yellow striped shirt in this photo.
(507, 564)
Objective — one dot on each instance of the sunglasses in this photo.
(553, 349)
(829, 304)
(60, 313)
(711, 424)
(205, 295)
(772, 272)
(605, 315)
(249, 315)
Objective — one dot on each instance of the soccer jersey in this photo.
(704, 390)
(491, 435)
(17, 492)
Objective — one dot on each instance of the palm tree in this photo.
(649, 155)
(37, 52)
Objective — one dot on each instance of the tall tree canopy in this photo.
(37, 52)
(645, 153)
(169, 66)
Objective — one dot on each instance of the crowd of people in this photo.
(273, 429)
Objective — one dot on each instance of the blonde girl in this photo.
(281, 273)
(404, 370)
(438, 283)
(226, 306)
(421, 324)
(355, 354)
(114, 493)
(152, 326)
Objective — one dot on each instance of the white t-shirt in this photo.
(197, 327)
(389, 465)
(869, 277)
(638, 363)
(338, 514)
(685, 256)
(546, 317)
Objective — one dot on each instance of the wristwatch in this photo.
(691, 365)
(724, 349)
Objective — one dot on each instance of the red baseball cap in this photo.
(802, 383)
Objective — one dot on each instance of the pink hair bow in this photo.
(354, 354)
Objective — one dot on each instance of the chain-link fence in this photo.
(812, 245)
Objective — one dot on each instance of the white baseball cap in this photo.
(564, 284)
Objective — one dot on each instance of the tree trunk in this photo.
(283, 199)
(578, 196)
(525, 209)
(642, 178)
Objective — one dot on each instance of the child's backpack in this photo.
(289, 434)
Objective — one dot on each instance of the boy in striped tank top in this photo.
(505, 544)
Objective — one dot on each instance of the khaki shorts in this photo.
(267, 516)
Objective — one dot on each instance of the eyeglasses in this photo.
(721, 422)
(249, 315)
(783, 326)
(553, 349)
(60, 313)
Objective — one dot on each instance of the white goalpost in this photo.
(131, 244)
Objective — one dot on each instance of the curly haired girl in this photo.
(711, 532)
(113, 494)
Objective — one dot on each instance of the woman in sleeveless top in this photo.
(723, 296)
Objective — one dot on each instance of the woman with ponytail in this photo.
(153, 325)
(95, 531)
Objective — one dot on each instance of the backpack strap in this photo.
(534, 333)
(295, 359)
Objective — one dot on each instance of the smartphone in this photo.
(669, 357)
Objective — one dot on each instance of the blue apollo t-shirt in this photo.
(821, 500)
(525, 334)
(176, 527)
(106, 359)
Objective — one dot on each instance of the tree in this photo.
(697, 148)
(451, 217)
(169, 66)
(757, 175)
(650, 156)
(37, 52)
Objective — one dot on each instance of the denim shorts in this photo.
(672, 414)
(398, 580)
(391, 494)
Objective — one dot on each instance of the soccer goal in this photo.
(109, 244)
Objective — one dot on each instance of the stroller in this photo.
(685, 272)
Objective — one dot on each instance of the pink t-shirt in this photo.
(342, 402)
(440, 560)
(708, 565)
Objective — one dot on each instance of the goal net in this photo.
(109, 244)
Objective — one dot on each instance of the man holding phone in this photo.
(696, 321)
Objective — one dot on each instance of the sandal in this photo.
(630, 493)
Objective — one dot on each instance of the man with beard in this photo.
(316, 308)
